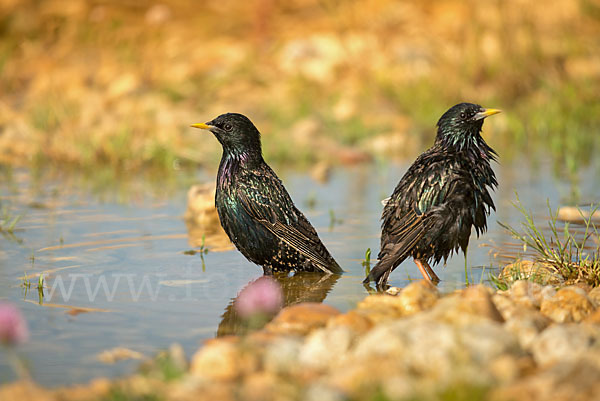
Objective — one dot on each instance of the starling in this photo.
(441, 196)
(254, 208)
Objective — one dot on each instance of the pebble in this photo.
(594, 296)
(324, 348)
(474, 304)
(414, 298)
(526, 326)
(301, 318)
(565, 342)
(570, 304)
(530, 342)
(526, 293)
(218, 360)
(354, 320)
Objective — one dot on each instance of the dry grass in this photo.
(564, 252)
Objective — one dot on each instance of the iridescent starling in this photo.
(254, 208)
(441, 197)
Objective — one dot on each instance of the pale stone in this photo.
(526, 326)
(526, 293)
(302, 318)
(565, 342)
(505, 305)
(594, 296)
(323, 348)
(217, 361)
(473, 304)
(415, 297)
(570, 304)
(354, 320)
(282, 354)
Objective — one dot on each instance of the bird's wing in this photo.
(267, 201)
(406, 216)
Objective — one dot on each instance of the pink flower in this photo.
(13, 328)
(261, 296)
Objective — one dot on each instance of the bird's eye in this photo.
(463, 116)
(227, 127)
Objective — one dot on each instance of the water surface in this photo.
(118, 275)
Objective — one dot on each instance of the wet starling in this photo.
(254, 208)
(442, 195)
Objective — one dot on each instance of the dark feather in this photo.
(444, 193)
(255, 209)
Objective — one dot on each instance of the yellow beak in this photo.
(490, 112)
(200, 125)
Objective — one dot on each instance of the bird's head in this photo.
(235, 132)
(461, 124)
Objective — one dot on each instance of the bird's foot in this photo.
(427, 272)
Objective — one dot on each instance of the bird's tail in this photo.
(392, 254)
(334, 267)
(385, 265)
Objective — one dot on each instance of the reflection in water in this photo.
(202, 221)
(300, 287)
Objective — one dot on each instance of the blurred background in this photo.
(116, 83)
(97, 157)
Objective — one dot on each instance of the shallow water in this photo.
(117, 274)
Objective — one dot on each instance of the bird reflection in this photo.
(297, 288)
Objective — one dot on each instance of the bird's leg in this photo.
(434, 277)
(427, 272)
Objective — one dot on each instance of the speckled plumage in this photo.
(255, 209)
(441, 197)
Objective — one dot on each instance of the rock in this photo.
(564, 343)
(576, 215)
(24, 390)
(113, 355)
(360, 377)
(570, 304)
(411, 344)
(486, 341)
(594, 296)
(301, 318)
(260, 386)
(473, 304)
(392, 290)
(572, 381)
(201, 210)
(526, 293)
(415, 297)
(379, 308)
(383, 340)
(594, 317)
(548, 292)
(355, 321)
(281, 356)
(526, 326)
(324, 348)
(530, 271)
(505, 305)
(507, 368)
(202, 220)
(219, 360)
